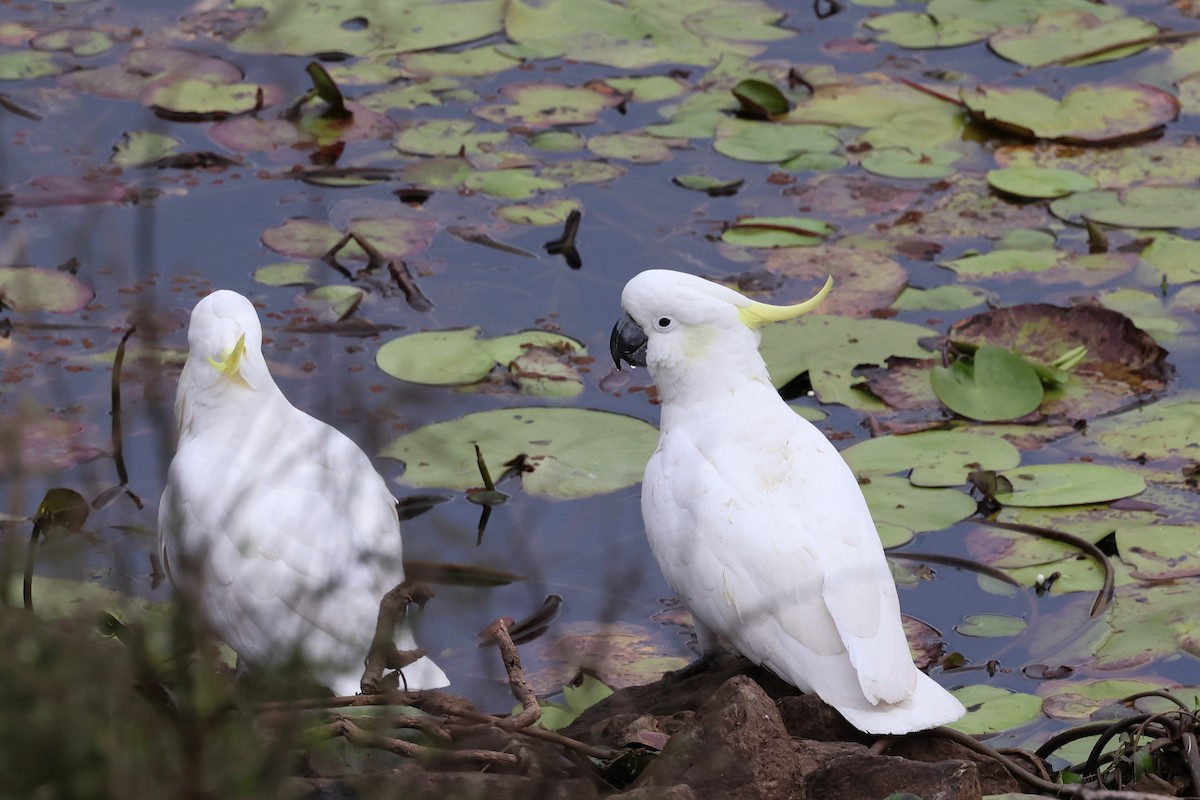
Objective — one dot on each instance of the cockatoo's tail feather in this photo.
(754, 517)
(758, 314)
(276, 525)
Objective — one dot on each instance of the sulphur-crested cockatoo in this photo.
(274, 523)
(756, 520)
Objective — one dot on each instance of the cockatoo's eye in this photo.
(664, 323)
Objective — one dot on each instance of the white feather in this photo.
(758, 523)
(277, 524)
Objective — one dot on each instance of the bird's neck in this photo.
(730, 387)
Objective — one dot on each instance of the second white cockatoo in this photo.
(277, 525)
(757, 522)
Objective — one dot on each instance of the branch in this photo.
(521, 689)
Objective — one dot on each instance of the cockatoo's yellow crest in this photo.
(232, 362)
(757, 314)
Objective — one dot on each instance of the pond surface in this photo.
(899, 174)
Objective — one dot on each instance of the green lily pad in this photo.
(1139, 207)
(1160, 552)
(28, 65)
(575, 171)
(648, 88)
(557, 141)
(197, 99)
(926, 127)
(554, 212)
(897, 503)
(1088, 114)
(446, 358)
(439, 172)
(771, 142)
(1148, 622)
(25, 289)
(713, 187)
(291, 273)
(510, 184)
(335, 302)
(573, 452)
(777, 232)
(1069, 36)
(541, 372)
(908, 162)
(640, 148)
(990, 625)
(474, 63)
(940, 298)
(991, 709)
(760, 98)
(578, 699)
(1005, 262)
(1040, 485)
(1038, 182)
(1174, 258)
(923, 31)
(446, 137)
(829, 348)
(1081, 699)
(932, 458)
(1169, 429)
(993, 385)
(143, 147)
(547, 104)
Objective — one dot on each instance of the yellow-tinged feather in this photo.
(233, 361)
(758, 314)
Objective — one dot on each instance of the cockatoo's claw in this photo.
(709, 661)
(628, 343)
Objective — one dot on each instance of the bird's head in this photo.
(225, 360)
(675, 321)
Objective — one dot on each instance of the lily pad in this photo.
(1139, 207)
(1041, 485)
(864, 280)
(911, 162)
(991, 709)
(940, 298)
(777, 232)
(446, 137)
(640, 148)
(932, 458)
(26, 289)
(1161, 552)
(990, 625)
(1088, 114)
(572, 452)
(1074, 38)
(1081, 699)
(510, 184)
(1038, 182)
(829, 348)
(394, 237)
(992, 385)
(923, 31)
(553, 212)
(1120, 364)
(194, 99)
(897, 503)
(446, 358)
(1174, 258)
(771, 142)
(547, 104)
(1169, 429)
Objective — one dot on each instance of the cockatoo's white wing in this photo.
(289, 535)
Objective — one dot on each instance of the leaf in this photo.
(896, 502)
(932, 458)
(1039, 182)
(923, 30)
(990, 625)
(26, 289)
(771, 142)
(995, 384)
(911, 162)
(991, 709)
(573, 452)
(1160, 552)
(1088, 114)
(446, 358)
(548, 104)
(760, 99)
(777, 232)
(1066, 35)
(1041, 485)
(1139, 207)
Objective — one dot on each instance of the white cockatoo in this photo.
(756, 520)
(276, 524)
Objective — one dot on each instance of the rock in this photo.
(863, 775)
(993, 778)
(410, 780)
(735, 746)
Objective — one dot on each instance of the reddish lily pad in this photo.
(864, 280)
(1088, 114)
(69, 190)
(1121, 364)
(143, 68)
(394, 237)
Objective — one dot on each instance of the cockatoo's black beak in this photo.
(628, 342)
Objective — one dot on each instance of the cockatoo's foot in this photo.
(710, 660)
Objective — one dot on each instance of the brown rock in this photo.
(735, 746)
(862, 775)
(993, 778)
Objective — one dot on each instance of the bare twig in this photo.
(356, 735)
(521, 689)
(416, 299)
(383, 654)
(117, 437)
